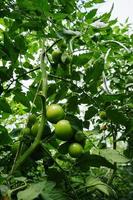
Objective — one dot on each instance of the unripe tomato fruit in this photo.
(103, 115)
(46, 131)
(68, 59)
(31, 120)
(34, 129)
(63, 130)
(75, 150)
(62, 45)
(25, 131)
(79, 136)
(54, 113)
(56, 56)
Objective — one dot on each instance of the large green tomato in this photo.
(75, 150)
(54, 113)
(63, 130)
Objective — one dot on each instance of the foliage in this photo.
(64, 52)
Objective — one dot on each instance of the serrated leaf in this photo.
(113, 155)
(4, 106)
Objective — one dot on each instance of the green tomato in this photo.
(103, 115)
(34, 129)
(56, 56)
(54, 113)
(63, 130)
(75, 150)
(62, 45)
(25, 131)
(31, 120)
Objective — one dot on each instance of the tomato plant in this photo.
(66, 102)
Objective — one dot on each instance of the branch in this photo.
(118, 43)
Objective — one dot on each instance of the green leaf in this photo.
(20, 97)
(75, 122)
(53, 173)
(4, 106)
(116, 116)
(95, 72)
(20, 43)
(44, 189)
(82, 59)
(33, 191)
(92, 160)
(113, 155)
(41, 5)
(4, 137)
(91, 111)
(72, 104)
(91, 14)
(10, 48)
(96, 183)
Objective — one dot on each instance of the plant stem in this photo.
(37, 140)
(113, 172)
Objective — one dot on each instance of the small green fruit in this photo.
(56, 56)
(75, 150)
(62, 45)
(34, 129)
(25, 131)
(31, 120)
(103, 115)
(79, 136)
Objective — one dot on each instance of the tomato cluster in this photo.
(61, 57)
(74, 140)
